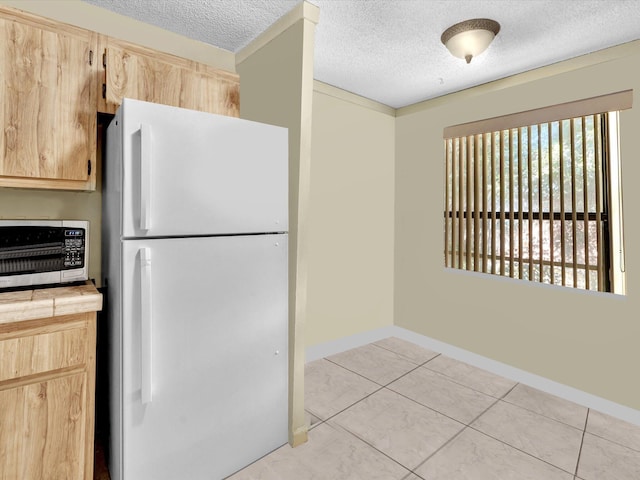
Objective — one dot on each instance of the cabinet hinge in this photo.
(104, 90)
(104, 59)
(90, 57)
(89, 167)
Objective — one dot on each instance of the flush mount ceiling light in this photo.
(470, 38)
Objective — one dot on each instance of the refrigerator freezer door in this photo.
(189, 173)
(204, 393)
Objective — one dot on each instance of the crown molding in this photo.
(336, 92)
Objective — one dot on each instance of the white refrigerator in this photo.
(195, 273)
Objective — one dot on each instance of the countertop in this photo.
(21, 305)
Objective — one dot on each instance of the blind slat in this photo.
(502, 218)
(476, 204)
(485, 233)
(461, 206)
(551, 229)
(469, 204)
(520, 232)
(447, 175)
(540, 206)
(511, 203)
(563, 257)
(530, 203)
(585, 201)
(494, 205)
(600, 239)
(574, 219)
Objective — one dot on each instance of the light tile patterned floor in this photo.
(395, 411)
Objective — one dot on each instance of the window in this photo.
(538, 201)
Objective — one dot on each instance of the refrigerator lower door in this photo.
(204, 355)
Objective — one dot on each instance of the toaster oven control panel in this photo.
(74, 245)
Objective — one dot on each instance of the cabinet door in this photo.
(132, 71)
(42, 429)
(47, 103)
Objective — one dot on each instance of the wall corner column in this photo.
(276, 87)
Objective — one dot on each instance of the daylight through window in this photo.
(538, 202)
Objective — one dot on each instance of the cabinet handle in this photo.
(145, 177)
(146, 326)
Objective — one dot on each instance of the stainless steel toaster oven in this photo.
(41, 252)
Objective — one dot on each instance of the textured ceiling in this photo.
(390, 50)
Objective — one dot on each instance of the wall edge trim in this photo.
(303, 11)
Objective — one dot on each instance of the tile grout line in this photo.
(440, 448)
(465, 426)
(408, 475)
(353, 434)
(508, 444)
(406, 357)
(417, 402)
(520, 450)
(614, 442)
(538, 413)
(378, 383)
(444, 414)
(369, 394)
(584, 430)
(457, 382)
(385, 387)
(427, 407)
(469, 426)
(381, 387)
(423, 364)
(453, 380)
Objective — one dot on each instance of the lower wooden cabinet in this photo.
(47, 385)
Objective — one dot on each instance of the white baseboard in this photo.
(541, 383)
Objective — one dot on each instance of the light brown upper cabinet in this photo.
(47, 103)
(133, 71)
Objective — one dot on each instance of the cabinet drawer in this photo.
(41, 353)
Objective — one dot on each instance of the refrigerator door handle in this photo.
(145, 176)
(145, 325)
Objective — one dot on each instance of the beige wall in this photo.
(350, 218)
(22, 203)
(584, 340)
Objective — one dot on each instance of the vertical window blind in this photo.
(532, 200)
